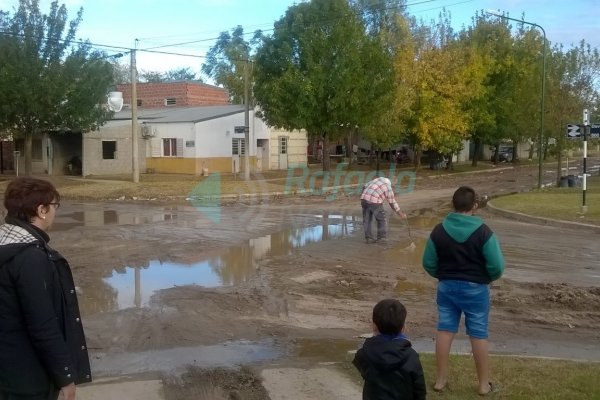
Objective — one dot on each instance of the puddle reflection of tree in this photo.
(99, 297)
(240, 263)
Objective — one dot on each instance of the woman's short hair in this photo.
(24, 195)
(464, 199)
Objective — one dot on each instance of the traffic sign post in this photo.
(586, 123)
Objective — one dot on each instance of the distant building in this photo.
(175, 94)
(191, 140)
(183, 127)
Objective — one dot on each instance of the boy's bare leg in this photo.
(482, 363)
(443, 342)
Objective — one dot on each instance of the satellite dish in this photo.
(115, 101)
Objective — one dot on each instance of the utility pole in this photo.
(586, 123)
(134, 124)
(246, 125)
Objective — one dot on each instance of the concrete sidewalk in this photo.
(121, 388)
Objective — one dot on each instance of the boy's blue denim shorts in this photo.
(472, 299)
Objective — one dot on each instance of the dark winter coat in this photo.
(391, 369)
(42, 344)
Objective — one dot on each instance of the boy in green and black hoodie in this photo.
(464, 255)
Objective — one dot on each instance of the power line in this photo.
(402, 7)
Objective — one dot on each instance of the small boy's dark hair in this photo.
(464, 199)
(389, 316)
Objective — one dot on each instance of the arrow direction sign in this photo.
(575, 131)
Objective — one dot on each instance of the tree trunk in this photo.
(28, 139)
(515, 154)
(378, 155)
(476, 150)
(559, 162)
(496, 153)
(417, 153)
(326, 160)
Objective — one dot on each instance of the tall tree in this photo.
(572, 84)
(320, 71)
(54, 84)
(384, 20)
(181, 74)
(435, 82)
(152, 76)
(226, 60)
(173, 75)
(492, 112)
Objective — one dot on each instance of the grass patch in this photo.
(518, 378)
(557, 203)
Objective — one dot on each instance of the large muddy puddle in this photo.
(533, 253)
(134, 286)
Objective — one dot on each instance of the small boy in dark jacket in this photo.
(387, 362)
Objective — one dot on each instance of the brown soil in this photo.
(321, 293)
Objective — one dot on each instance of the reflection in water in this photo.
(228, 354)
(331, 350)
(135, 286)
(99, 217)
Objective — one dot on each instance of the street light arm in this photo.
(494, 12)
(500, 15)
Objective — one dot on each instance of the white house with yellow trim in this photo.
(191, 140)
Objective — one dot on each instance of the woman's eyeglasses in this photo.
(56, 205)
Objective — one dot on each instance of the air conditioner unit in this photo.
(147, 131)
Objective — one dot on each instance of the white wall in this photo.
(172, 130)
(297, 147)
(214, 136)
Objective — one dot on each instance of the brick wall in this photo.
(153, 95)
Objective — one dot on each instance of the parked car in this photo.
(505, 154)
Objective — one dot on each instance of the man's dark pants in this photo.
(370, 211)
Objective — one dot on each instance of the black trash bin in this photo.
(573, 181)
(564, 181)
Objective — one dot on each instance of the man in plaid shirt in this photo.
(374, 194)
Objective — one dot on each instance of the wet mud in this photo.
(291, 282)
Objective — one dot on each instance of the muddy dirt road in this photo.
(285, 285)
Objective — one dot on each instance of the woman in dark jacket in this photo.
(42, 344)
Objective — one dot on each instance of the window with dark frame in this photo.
(170, 147)
(109, 149)
(238, 147)
(283, 145)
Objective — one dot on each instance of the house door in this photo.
(265, 158)
(283, 152)
(238, 150)
(262, 154)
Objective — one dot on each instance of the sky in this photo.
(163, 25)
